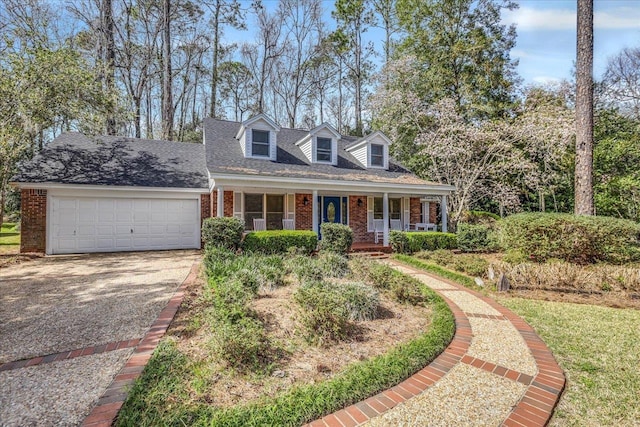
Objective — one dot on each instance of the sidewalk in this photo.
(496, 371)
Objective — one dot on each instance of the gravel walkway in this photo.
(64, 303)
(496, 371)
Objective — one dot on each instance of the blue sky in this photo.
(546, 42)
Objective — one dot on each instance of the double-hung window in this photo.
(260, 143)
(377, 155)
(395, 211)
(323, 150)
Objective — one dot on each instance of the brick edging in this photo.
(536, 406)
(106, 410)
(69, 354)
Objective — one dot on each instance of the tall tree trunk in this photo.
(584, 110)
(214, 66)
(109, 60)
(167, 96)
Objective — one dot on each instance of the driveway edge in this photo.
(106, 410)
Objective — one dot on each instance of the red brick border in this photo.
(106, 410)
(536, 406)
(69, 354)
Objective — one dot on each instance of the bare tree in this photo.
(167, 78)
(622, 81)
(386, 10)
(584, 204)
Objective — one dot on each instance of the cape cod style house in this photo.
(104, 194)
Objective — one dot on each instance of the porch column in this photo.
(314, 210)
(385, 218)
(443, 213)
(220, 204)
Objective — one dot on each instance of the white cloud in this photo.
(544, 80)
(529, 19)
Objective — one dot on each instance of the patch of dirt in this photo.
(612, 299)
(12, 259)
(301, 363)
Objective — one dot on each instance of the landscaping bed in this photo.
(295, 366)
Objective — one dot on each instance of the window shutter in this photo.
(249, 139)
(407, 213)
(370, 213)
(334, 151)
(237, 205)
(272, 145)
(290, 206)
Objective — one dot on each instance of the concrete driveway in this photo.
(69, 323)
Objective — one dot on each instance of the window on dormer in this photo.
(260, 143)
(323, 151)
(377, 155)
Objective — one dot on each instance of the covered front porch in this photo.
(371, 213)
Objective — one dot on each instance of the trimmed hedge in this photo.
(577, 239)
(280, 241)
(224, 232)
(476, 237)
(336, 238)
(410, 242)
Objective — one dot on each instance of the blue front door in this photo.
(331, 210)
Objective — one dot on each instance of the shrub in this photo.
(336, 237)
(280, 241)
(225, 232)
(475, 238)
(248, 278)
(360, 300)
(439, 256)
(399, 241)
(306, 269)
(405, 290)
(230, 301)
(470, 264)
(410, 242)
(323, 313)
(375, 273)
(578, 239)
(333, 264)
(216, 260)
(270, 270)
(241, 344)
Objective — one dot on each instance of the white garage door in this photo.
(83, 224)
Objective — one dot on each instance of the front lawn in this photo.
(598, 349)
(275, 340)
(9, 238)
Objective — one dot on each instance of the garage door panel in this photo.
(93, 224)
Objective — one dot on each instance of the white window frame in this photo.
(382, 155)
(268, 144)
(317, 149)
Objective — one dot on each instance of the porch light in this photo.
(305, 201)
(360, 202)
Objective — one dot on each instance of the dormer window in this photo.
(324, 151)
(260, 143)
(258, 138)
(377, 155)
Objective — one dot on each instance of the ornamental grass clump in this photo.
(360, 299)
(333, 264)
(323, 313)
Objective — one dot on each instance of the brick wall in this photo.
(358, 219)
(205, 206)
(415, 210)
(34, 221)
(304, 214)
(433, 212)
(228, 203)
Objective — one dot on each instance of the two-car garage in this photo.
(79, 224)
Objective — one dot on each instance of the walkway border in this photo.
(534, 408)
(106, 410)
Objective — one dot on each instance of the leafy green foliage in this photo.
(360, 300)
(225, 232)
(280, 241)
(323, 313)
(479, 217)
(578, 239)
(472, 265)
(333, 264)
(410, 242)
(475, 238)
(447, 274)
(242, 343)
(336, 237)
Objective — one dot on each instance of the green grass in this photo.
(9, 238)
(161, 395)
(436, 269)
(598, 349)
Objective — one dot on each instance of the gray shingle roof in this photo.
(73, 158)
(224, 156)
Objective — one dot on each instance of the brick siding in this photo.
(228, 203)
(304, 214)
(34, 221)
(358, 220)
(433, 212)
(415, 210)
